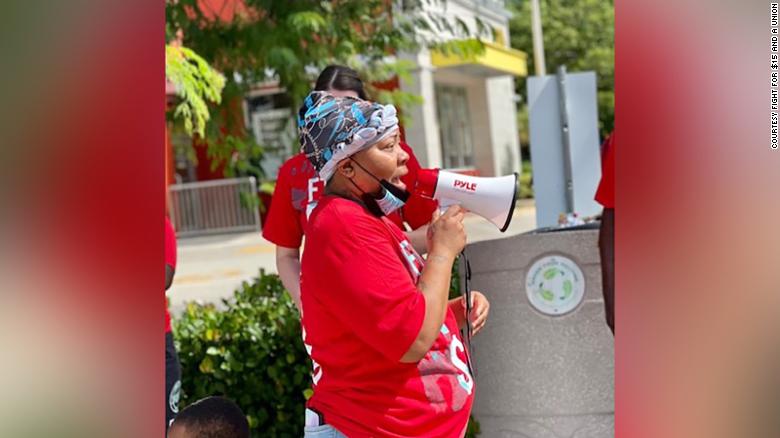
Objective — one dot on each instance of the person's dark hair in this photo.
(213, 417)
(339, 77)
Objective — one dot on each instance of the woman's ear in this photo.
(346, 169)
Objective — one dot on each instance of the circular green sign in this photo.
(555, 285)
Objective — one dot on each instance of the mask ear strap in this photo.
(364, 169)
(362, 192)
(368, 201)
(395, 191)
(356, 186)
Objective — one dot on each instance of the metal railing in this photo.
(214, 207)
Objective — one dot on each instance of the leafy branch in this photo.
(196, 83)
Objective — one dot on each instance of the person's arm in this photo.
(418, 239)
(607, 252)
(446, 238)
(170, 253)
(288, 265)
(169, 272)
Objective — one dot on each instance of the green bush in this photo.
(526, 181)
(251, 352)
(472, 430)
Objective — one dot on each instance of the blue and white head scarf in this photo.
(334, 128)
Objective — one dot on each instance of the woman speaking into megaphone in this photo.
(387, 355)
(299, 188)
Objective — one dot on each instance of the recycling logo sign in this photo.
(555, 285)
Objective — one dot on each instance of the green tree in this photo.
(579, 34)
(251, 41)
(196, 84)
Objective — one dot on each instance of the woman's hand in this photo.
(446, 235)
(480, 307)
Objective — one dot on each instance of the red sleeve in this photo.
(605, 194)
(170, 244)
(282, 226)
(373, 293)
(418, 210)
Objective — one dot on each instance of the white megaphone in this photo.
(490, 197)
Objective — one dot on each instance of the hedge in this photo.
(251, 352)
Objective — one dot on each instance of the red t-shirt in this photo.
(170, 259)
(298, 188)
(605, 195)
(361, 313)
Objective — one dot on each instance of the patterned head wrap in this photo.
(332, 129)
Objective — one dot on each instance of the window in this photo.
(457, 145)
(273, 124)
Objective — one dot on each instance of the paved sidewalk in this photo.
(211, 267)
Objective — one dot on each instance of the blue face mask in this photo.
(389, 200)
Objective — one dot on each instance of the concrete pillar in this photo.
(479, 113)
(540, 376)
(503, 125)
(422, 133)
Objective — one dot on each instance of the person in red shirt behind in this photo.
(298, 188)
(172, 365)
(605, 195)
(388, 359)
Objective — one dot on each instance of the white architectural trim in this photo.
(481, 9)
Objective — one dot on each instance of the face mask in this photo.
(390, 199)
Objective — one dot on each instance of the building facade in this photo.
(468, 120)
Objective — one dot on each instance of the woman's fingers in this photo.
(478, 326)
(460, 215)
(478, 318)
(455, 212)
(479, 311)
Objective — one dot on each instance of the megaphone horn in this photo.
(490, 197)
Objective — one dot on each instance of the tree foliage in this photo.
(196, 84)
(579, 34)
(252, 41)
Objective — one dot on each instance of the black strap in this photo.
(469, 329)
